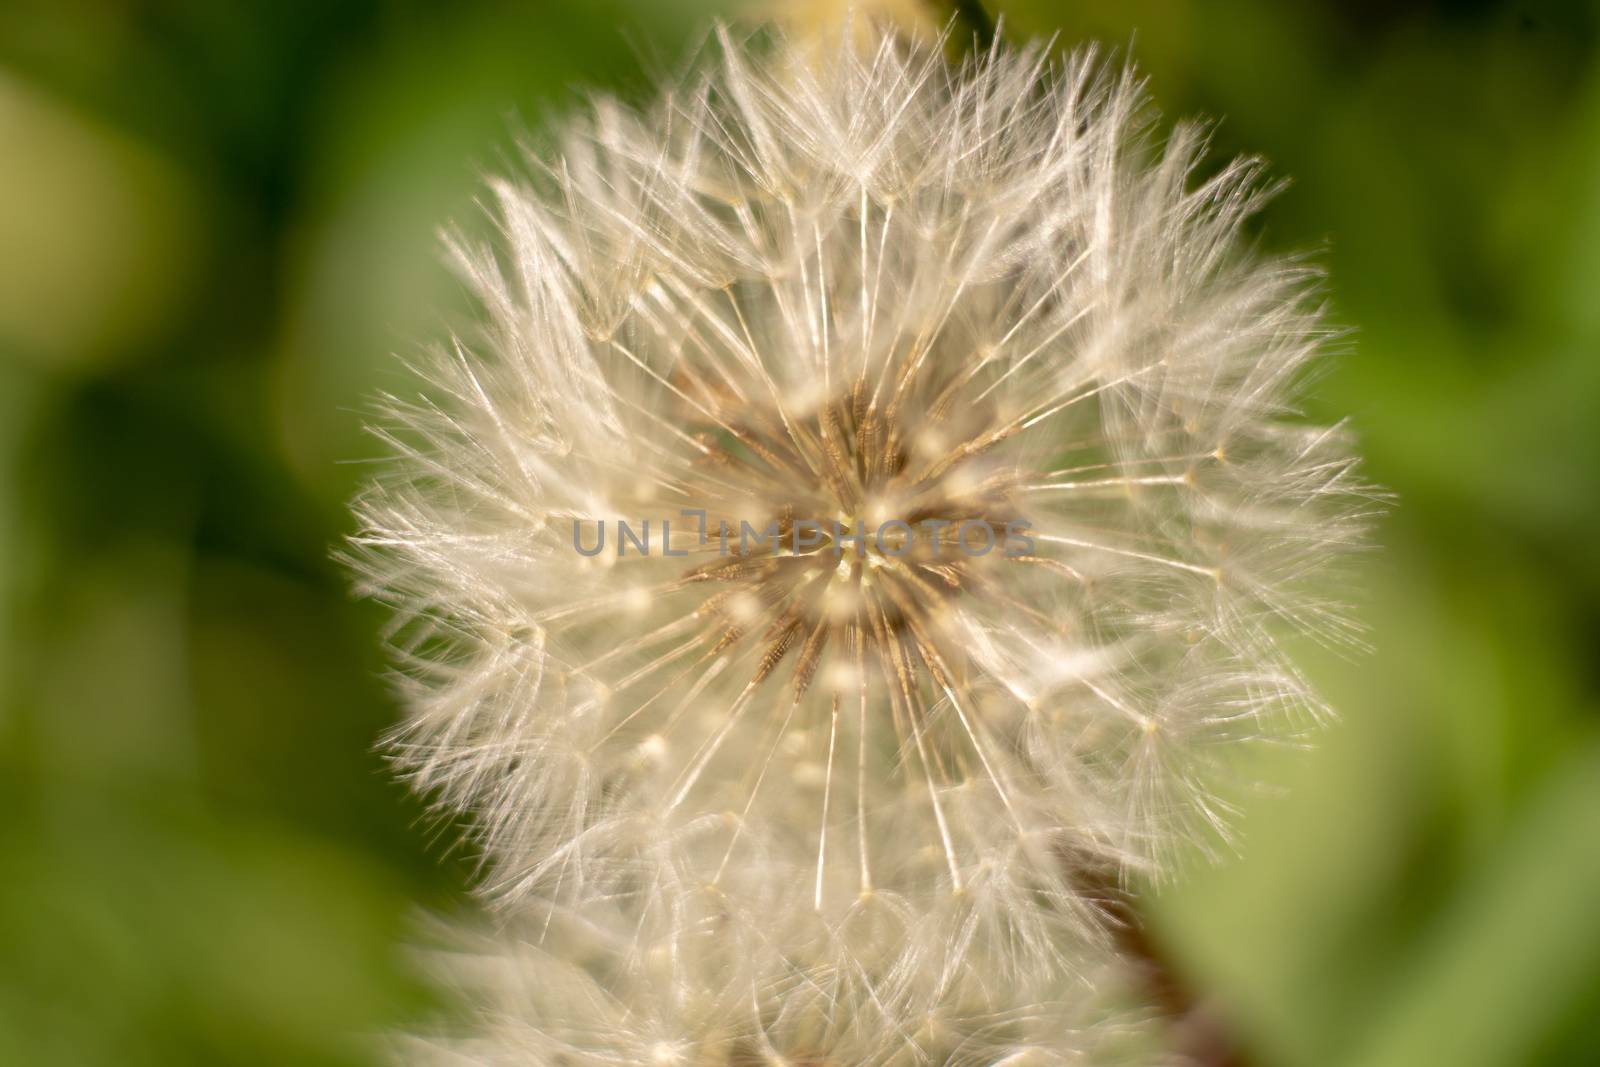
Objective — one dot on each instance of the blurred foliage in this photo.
(219, 222)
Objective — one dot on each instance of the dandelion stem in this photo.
(1199, 1030)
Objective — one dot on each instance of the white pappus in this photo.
(857, 283)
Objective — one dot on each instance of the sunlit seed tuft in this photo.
(853, 282)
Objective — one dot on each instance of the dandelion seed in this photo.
(560, 992)
(823, 289)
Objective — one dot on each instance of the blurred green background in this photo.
(218, 222)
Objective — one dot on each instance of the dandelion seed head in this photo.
(856, 284)
(558, 991)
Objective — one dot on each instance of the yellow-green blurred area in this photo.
(218, 223)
